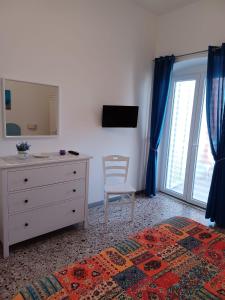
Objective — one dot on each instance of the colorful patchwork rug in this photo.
(176, 259)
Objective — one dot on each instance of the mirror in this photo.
(30, 109)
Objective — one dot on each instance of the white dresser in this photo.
(39, 195)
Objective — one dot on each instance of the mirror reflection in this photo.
(31, 109)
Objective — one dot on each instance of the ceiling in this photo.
(160, 7)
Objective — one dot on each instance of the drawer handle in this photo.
(25, 179)
(74, 190)
(26, 224)
(26, 201)
(74, 210)
(74, 172)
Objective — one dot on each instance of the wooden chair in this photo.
(115, 167)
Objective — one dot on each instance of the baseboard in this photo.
(101, 202)
(139, 193)
(94, 204)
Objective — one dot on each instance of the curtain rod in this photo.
(190, 53)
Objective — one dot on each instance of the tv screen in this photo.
(119, 116)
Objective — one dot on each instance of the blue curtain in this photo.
(215, 108)
(162, 74)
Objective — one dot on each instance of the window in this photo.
(187, 163)
(179, 135)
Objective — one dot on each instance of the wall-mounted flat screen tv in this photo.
(119, 116)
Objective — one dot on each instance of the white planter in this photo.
(23, 154)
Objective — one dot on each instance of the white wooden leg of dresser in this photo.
(5, 250)
(86, 223)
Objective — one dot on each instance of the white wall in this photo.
(191, 28)
(98, 52)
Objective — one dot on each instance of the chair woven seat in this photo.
(119, 188)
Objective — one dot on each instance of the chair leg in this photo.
(106, 208)
(133, 206)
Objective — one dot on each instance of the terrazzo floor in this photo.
(43, 255)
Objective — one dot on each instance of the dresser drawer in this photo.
(30, 224)
(29, 199)
(28, 178)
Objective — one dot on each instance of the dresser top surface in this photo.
(7, 162)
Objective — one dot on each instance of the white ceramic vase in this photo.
(23, 154)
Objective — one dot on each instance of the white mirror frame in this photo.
(3, 109)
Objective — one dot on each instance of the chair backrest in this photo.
(115, 166)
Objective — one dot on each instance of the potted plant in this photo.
(23, 149)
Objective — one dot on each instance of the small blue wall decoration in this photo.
(8, 99)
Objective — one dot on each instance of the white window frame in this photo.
(198, 74)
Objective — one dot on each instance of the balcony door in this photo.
(186, 160)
